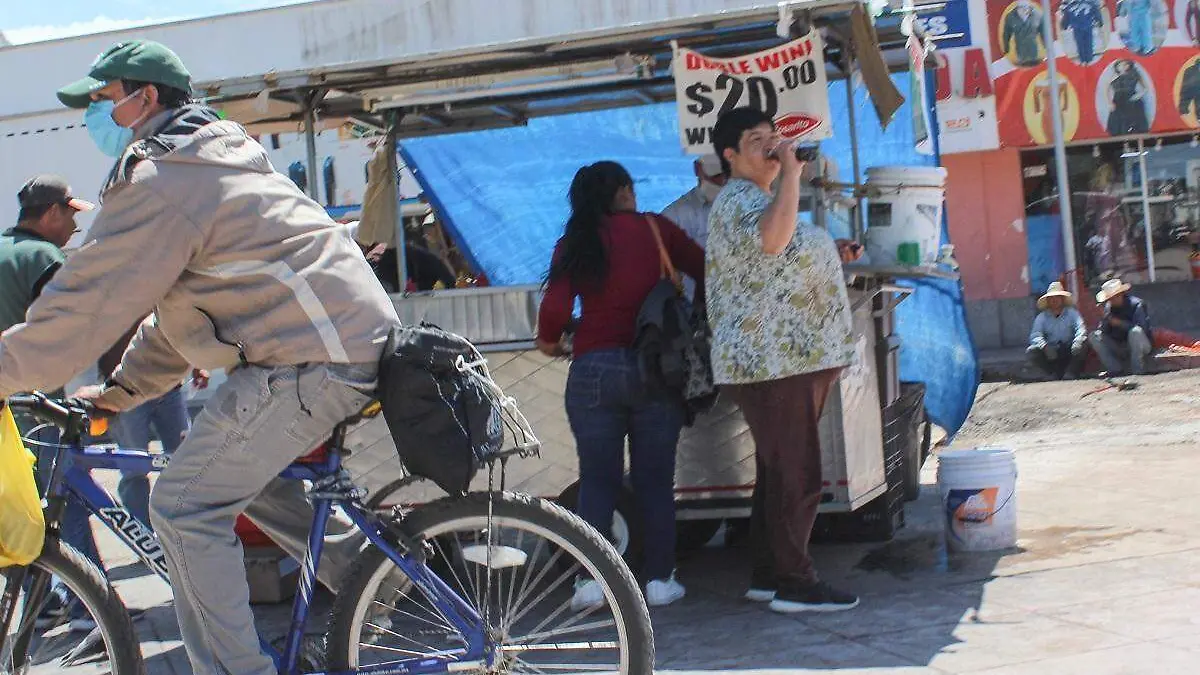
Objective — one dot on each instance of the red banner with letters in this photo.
(1127, 67)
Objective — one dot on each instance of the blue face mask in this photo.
(110, 137)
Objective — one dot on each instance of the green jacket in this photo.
(27, 261)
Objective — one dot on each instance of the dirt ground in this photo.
(1006, 409)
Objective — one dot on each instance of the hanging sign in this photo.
(787, 83)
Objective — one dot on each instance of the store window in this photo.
(1135, 210)
(1172, 170)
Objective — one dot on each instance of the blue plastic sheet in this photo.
(502, 196)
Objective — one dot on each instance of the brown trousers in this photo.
(783, 416)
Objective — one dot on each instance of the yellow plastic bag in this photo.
(22, 528)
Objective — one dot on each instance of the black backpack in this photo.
(445, 423)
(672, 341)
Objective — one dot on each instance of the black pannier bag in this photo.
(445, 422)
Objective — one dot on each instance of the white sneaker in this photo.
(662, 592)
(588, 595)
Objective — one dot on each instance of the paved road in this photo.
(1104, 579)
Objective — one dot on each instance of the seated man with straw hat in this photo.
(1058, 341)
(1123, 339)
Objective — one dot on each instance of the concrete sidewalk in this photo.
(1105, 579)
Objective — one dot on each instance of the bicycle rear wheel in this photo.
(557, 596)
(58, 641)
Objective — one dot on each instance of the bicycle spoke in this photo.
(512, 583)
(432, 609)
(475, 571)
(541, 575)
(566, 604)
(450, 564)
(580, 667)
(563, 630)
(541, 596)
(537, 551)
(413, 616)
(403, 637)
(406, 652)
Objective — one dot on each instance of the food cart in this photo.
(581, 67)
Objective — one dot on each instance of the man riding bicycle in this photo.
(238, 270)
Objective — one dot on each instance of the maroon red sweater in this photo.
(610, 311)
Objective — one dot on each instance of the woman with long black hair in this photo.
(608, 257)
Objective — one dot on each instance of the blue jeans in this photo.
(607, 402)
(168, 416)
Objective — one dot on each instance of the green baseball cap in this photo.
(138, 60)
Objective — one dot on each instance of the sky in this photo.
(23, 22)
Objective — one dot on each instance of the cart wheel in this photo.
(692, 535)
(626, 535)
(914, 459)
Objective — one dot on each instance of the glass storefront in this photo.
(1135, 207)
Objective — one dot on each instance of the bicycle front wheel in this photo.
(556, 596)
(78, 628)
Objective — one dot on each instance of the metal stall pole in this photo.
(394, 118)
(1060, 151)
(1142, 152)
(857, 224)
(310, 141)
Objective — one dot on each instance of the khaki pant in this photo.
(254, 426)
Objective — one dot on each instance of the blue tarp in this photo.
(502, 196)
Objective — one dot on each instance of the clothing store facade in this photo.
(1129, 72)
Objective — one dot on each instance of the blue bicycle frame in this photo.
(72, 477)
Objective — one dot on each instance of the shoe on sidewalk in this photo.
(762, 586)
(818, 597)
(662, 592)
(588, 595)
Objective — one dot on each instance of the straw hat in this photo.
(1056, 290)
(1111, 288)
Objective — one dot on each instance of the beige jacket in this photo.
(235, 262)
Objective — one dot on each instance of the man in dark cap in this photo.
(30, 254)
(238, 270)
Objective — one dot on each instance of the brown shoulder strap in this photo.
(665, 264)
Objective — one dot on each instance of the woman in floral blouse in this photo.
(780, 317)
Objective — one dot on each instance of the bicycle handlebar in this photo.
(62, 413)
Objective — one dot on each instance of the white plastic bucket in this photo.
(904, 214)
(979, 498)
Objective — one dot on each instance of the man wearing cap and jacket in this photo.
(1124, 339)
(30, 255)
(690, 211)
(239, 270)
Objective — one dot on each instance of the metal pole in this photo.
(310, 142)
(856, 224)
(1146, 210)
(1060, 151)
(394, 175)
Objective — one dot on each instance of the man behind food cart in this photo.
(690, 211)
(780, 317)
